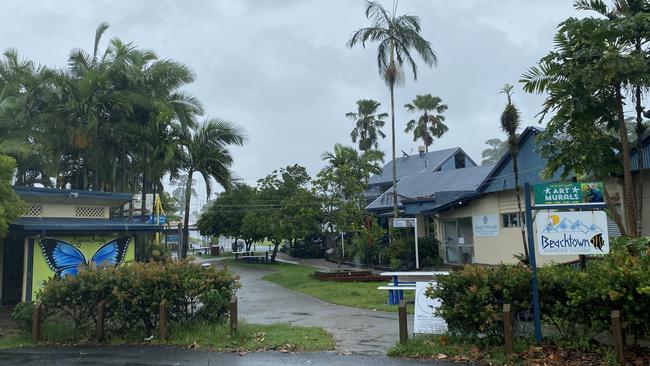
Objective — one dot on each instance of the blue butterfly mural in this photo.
(65, 259)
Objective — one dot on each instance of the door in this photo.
(459, 240)
(12, 269)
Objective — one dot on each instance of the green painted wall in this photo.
(88, 245)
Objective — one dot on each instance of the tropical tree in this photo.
(225, 215)
(494, 152)
(205, 150)
(639, 38)
(9, 202)
(398, 36)
(510, 121)
(367, 124)
(430, 124)
(585, 77)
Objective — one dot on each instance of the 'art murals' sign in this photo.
(569, 193)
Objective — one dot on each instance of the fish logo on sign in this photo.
(598, 242)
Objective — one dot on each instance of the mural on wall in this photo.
(65, 259)
(63, 256)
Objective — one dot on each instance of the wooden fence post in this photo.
(617, 334)
(507, 328)
(37, 322)
(233, 314)
(403, 325)
(162, 323)
(101, 317)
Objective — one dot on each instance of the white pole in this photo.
(417, 255)
(342, 245)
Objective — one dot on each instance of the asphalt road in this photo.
(158, 355)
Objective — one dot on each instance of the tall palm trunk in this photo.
(96, 153)
(628, 187)
(392, 127)
(515, 171)
(639, 153)
(186, 218)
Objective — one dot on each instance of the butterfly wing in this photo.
(62, 257)
(112, 253)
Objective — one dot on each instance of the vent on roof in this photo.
(89, 211)
(422, 149)
(35, 210)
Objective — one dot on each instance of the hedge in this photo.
(133, 293)
(574, 302)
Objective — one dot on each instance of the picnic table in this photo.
(251, 257)
(397, 287)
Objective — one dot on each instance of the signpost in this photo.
(410, 222)
(564, 233)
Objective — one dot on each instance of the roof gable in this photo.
(417, 164)
(430, 184)
(529, 161)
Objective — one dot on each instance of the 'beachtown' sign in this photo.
(569, 193)
(572, 233)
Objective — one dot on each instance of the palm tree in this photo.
(367, 124)
(397, 36)
(430, 124)
(204, 150)
(510, 124)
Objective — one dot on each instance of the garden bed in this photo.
(349, 276)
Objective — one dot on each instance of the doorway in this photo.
(13, 251)
(459, 240)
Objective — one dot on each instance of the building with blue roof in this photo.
(63, 230)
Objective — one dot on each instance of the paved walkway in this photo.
(153, 355)
(359, 331)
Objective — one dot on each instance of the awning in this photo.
(39, 224)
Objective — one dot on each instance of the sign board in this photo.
(404, 222)
(569, 193)
(485, 225)
(572, 233)
(425, 321)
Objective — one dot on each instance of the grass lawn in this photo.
(249, 337)
(451, 348)
(356, 294)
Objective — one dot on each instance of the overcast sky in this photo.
(282, 71)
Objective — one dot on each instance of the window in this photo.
(459, 160)
(512, 220)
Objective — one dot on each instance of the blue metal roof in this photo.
(429, 184)
(39, 224)
(416, 164)
(37, 192)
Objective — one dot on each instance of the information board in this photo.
(425, 321)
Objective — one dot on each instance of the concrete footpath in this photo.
(359, 331)
(159, 355)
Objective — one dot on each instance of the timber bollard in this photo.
(37, 322)
(507, 328)
(617, 334)
(101, 317)
(233, 315)
(403, 325)
(162, 323)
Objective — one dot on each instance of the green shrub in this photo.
(472, 299)
(400, 253)
(133, 293)
(577, 303)
(22, 315)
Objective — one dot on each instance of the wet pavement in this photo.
(158, 355)
(360, 331)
